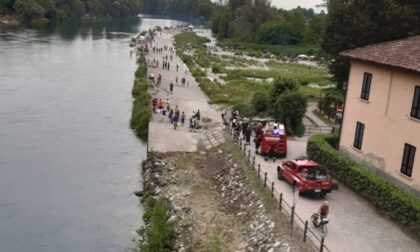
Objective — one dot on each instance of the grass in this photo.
(238, 90)
(159, 233)
(141, 113)
(258, 50)
(214, 242)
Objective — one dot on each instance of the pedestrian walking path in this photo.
(188, 98)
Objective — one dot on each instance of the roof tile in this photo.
(402, 53)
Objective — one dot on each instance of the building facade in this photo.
(381, 123)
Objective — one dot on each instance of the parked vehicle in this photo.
(274, 141)
(320, 224)
(305, 176)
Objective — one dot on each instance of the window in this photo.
(358, 137)
(408, 160)
(367, 79)
(415, 108)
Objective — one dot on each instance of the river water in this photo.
(69, 162)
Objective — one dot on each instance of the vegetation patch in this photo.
(397, 203)
(141, 112)
(245, 90)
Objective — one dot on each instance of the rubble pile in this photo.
(232, 196)
(238, 198)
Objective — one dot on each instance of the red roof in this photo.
(402, 53)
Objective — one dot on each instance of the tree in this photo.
(261, 101)
(29, 10)
(280, 85)
(352, 24)
(289, 108)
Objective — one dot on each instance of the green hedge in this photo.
(141, 112)
(397, 203)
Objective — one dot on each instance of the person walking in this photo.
(160, 104)
(182, 118)
(171, 114)
(177, 67)
(175, 120)
(198, 115)
(171, 88)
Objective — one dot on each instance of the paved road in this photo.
(355, 225)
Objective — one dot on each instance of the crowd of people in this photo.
(167, 111)
(176, 117)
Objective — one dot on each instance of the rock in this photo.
(157, 191)
(139, 193)
(220, 151)
(277, 244)
(242, 245)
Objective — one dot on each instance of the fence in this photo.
(284, 206)
(312, 130)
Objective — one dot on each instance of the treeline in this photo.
(245, 20)
(352, 24)
(257, 21)
(58, 10)
(199, 11)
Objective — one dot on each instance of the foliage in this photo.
(29, 9)
(58, 10)
(395, 202)
(261, 101)
(257, 21)
(281, 100)
(258, 50)
(280, 85)
(159, 232)
(188, 10)
(289, 108)
(332, 98)
(141, 112)
(352, 24)
(282, 31)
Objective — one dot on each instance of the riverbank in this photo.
(9, 20)
(141, 112)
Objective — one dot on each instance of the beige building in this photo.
(381, 123)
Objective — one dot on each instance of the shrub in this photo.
(397, 203)
(141, 113)
(261, 101)
(159, 232)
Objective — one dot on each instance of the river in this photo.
(69, 162)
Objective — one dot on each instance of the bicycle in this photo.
(321, 225)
